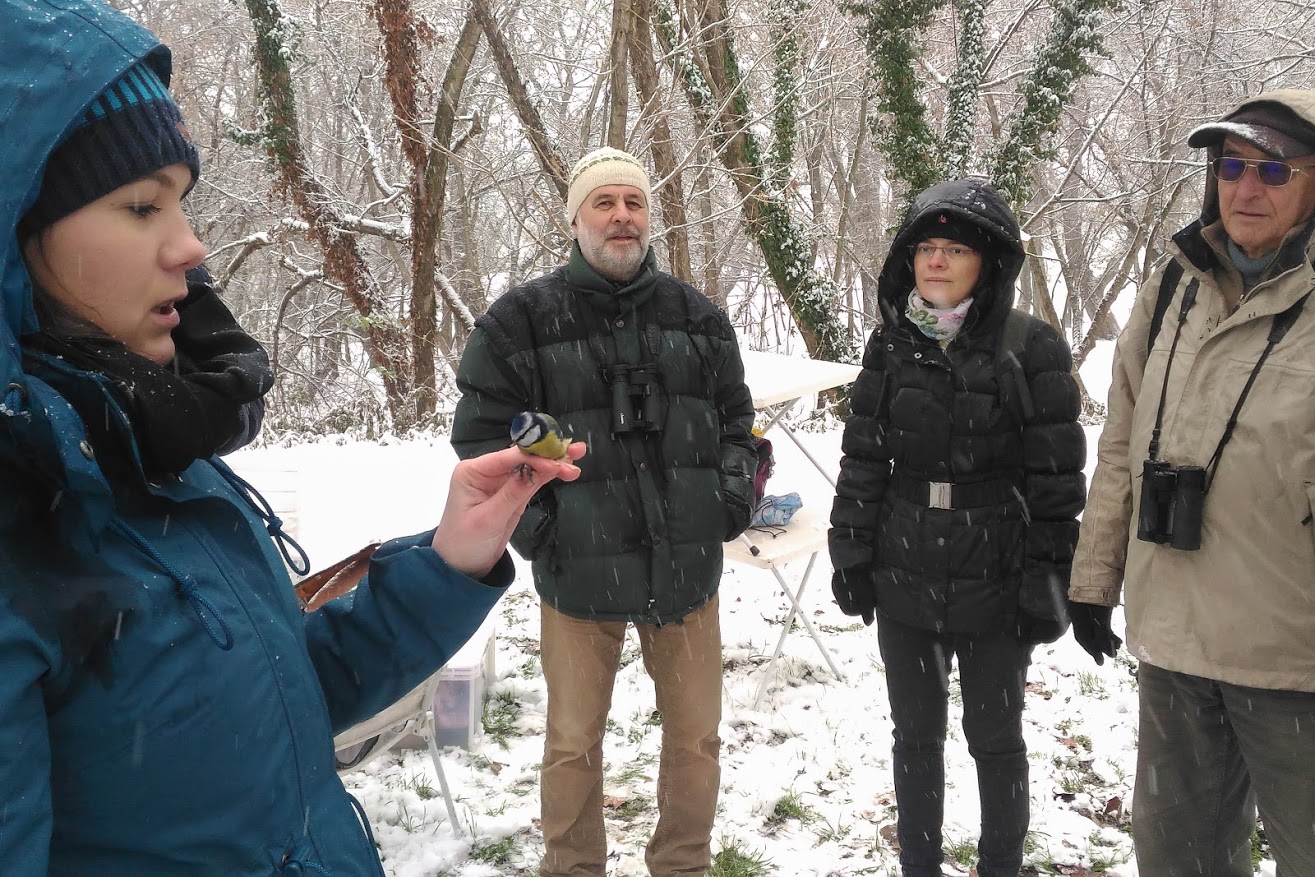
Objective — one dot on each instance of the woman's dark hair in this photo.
(53, 316)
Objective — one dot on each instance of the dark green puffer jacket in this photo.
(639, 536)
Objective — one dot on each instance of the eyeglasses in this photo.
(1274, 174)
(953, 254)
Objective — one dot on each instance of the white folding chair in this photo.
(413, 714)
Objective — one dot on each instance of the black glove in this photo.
(1091, 628)
(738, 516)
(855, 593)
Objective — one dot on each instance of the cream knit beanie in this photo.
(603, 167)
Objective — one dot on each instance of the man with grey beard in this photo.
(646, 371)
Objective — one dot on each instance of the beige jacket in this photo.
(1242, 608)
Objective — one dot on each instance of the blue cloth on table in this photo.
(776, 511)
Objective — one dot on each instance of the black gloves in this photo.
(1091, 628)
(855, 593)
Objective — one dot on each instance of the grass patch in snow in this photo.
(790, 807)
(495, 853)
(501, 713)
(733, 860)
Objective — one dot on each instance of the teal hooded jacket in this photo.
(166, 708)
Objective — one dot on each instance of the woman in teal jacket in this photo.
(166, 706)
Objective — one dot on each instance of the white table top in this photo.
(805, 534)
(774, 378)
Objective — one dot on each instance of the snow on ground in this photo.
(806, 779)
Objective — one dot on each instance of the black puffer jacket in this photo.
(999, 556)
(638, 537)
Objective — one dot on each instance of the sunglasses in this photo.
(1230, 169)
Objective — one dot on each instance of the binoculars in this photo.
(1172, 498)
(636, 402)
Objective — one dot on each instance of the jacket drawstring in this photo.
(188, 587)
(273, 523)
(14, 399)
(296, 864)
(365, 825)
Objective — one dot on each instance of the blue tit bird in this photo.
(539, 434)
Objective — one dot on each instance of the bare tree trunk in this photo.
(535, 131)
(715, 91)
(427, 222)
(401, 50)
(619, 107)
(846, 191)
(670, 190)
(1045, 308)
(343, 261)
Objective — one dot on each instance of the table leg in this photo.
(795, 610)
(776, 418)
(806, 453)
(434, 756)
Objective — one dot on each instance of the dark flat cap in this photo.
(1270, 126)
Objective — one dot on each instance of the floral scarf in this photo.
(938, 324)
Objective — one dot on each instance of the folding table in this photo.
(777, 380)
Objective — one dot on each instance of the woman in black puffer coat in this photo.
(954, 521)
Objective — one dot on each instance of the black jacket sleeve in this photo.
(865, 469)
(1054, 488)
(735, 421)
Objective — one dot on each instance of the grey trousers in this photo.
(1208, 756)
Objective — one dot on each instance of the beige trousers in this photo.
(580, 662)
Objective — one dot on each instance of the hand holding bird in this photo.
(486, 498)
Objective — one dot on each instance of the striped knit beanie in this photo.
(132, 129)
(603, 167)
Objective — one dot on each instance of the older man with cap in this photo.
(646, 370)
(1200, 510)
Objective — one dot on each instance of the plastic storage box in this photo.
(459, 696)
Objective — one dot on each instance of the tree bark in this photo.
(670, 190)
(343, 260)
(549, 161)
(619, 105)
(427, 221)
(401, 51)
(721, 105)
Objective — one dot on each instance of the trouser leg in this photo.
(1192, 810)
(684, 661)
(580, 661)
(1276, 733)
(993, 678)
(917, 666)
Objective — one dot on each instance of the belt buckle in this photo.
(938, 495)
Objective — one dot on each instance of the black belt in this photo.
(944, 495)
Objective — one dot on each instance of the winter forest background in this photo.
(377, 171)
